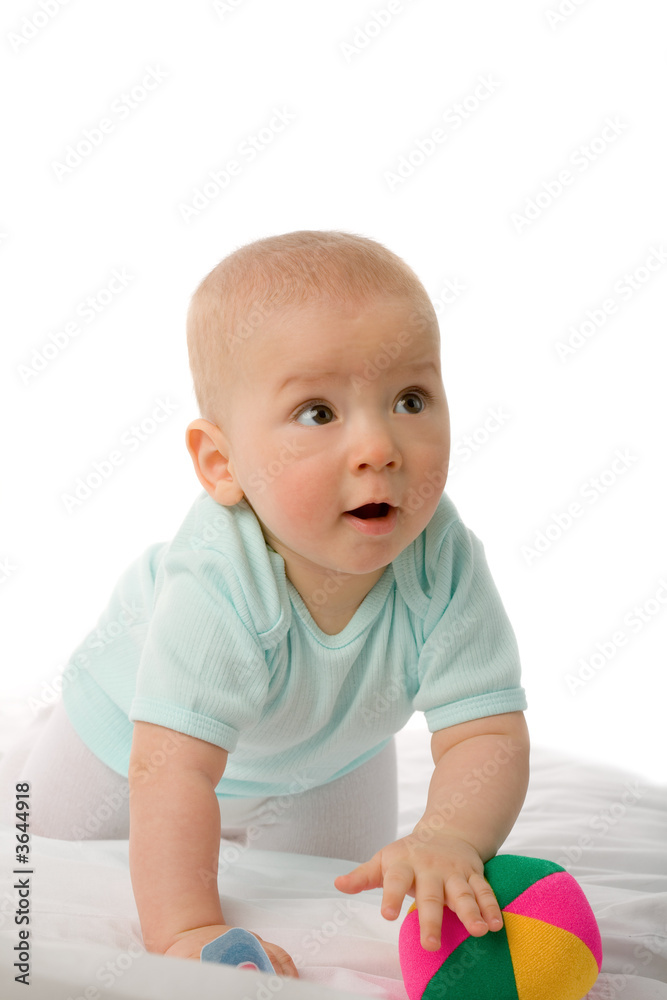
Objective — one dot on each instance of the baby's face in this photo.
(330, 411)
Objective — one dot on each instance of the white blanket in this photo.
(607, 828)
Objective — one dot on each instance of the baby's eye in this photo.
(415, 401)
(319, 410)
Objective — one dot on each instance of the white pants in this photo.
(75, 796)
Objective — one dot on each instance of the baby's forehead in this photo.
(417, 318)
(333, 339)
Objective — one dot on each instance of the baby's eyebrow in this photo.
(306, 379)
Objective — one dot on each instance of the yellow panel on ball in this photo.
(538, 949)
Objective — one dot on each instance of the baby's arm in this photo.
(174, 832)
(175, 842)
(480, 780)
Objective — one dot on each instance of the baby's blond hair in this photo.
(238, 296)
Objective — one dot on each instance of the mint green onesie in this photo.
(207, 636)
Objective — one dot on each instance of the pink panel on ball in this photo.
(418, 965)
(558, 899)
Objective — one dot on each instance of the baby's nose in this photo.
(376, 451)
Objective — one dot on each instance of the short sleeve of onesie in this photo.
(202, 670)
(469, 664)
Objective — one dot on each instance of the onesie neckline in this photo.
(361, 619)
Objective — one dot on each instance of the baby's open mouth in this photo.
(371, 510)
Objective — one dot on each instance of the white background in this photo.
(218, 76)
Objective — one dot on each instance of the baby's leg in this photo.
(350, 818)
(73, 794)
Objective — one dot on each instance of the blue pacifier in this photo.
(239, 948)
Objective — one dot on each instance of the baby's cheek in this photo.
(301, 498)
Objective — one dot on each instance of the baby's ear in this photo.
(209, 451)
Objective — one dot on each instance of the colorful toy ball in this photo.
(549, 947)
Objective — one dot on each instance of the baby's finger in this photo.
(462, 900)
(397, 881)
(366, 876)
(430, 899)
(486, 901)
(280, 960)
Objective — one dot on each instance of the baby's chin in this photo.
(357, 559)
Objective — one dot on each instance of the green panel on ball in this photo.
(509, 875)
(479, 969)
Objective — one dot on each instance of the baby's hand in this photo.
(190, 943)
(445, 870)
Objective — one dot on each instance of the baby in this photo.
(320, 590)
